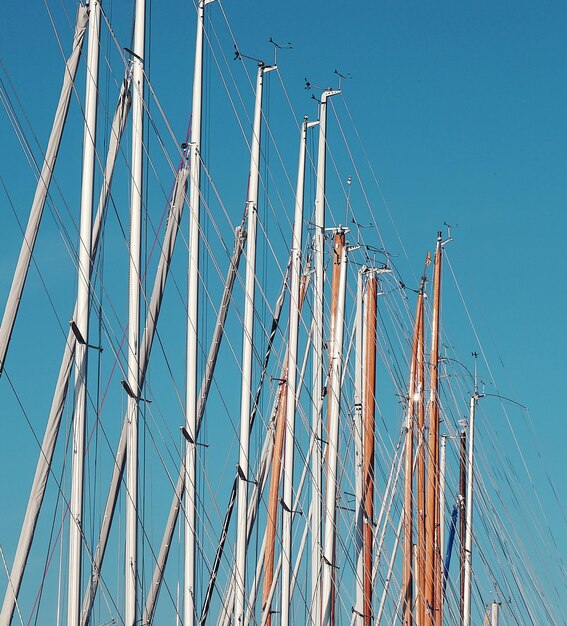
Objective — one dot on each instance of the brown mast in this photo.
(368, 445)
(407, 575)
(277, 452)
(421, 472)
(433, 578)
(273, 499)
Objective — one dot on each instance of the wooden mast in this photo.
(407, 575)
(432, 552)
(271, 519)
(368, 445)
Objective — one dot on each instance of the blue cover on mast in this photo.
(449, 547)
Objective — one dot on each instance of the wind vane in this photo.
(238, 56)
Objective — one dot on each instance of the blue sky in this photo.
(461, 113)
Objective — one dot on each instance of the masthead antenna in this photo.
(342, 77)
(475, 357)
(277, 46)
(449, 226)
(349, 184)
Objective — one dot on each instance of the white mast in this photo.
(469, 509)
(192, 324)
(358, 439)
(295, 272)
(368, 416)
(130, 613)
(494, 607)
(408, 572)
(317, 386)
(81, 324)
(335, 375)
(442, 485)
(247, 348)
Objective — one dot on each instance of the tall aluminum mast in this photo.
(247, 349)
(317, 386)
(368, 442)
(442, 488)
(338, 245)
(413, 403)
(81, 323)
(420, 569)
(494, 607)
(133, 391)
(462, 518)
(469, 513)
(358, 613)
(193, 324)
(335, 376)
(295, 272)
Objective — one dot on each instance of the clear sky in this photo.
(454, 113)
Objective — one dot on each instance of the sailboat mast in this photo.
(442, 489)
(168, 245)
(277, 458)
(193, 325)
(130, 612)
(334, 391)
(421, 473)
(317, 376)
(432, 552)
(407, 573)
(494, 608)
(247, 349)
(295, 304)
(271, 520)
(368, 442)
(462, 518)
(81, 323)
(469, 512)
(338, 245)
(358, 616)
